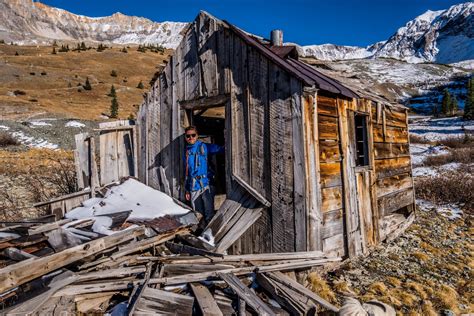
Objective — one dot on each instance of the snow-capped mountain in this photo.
(445, 36)
(28, 22)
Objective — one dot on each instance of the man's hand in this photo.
(187, 196)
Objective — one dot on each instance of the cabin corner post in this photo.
(313, 199)
(351, 217)
(373, 176)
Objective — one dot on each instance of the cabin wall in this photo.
(263, 129)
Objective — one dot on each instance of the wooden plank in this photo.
(329, 151)
(327, 106)
(395, 117)
(392, 166)
(292, 284)
(154, 136)
(252, 191)
(393, 184)
(282, 166)
(299, 188)
(391, 134)
(330, 174)
(327, 127)
(365, 209)
(352, 220)
(395, 201)
(244, 293)
(205, 102)
(206, 301)
(331, 199)
(312, 170)
(292, 301)
(19, 273)
(391, 150)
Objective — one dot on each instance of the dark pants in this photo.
(202, 201)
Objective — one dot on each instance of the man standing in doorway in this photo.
(197, 173)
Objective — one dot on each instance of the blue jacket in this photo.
(196, 168)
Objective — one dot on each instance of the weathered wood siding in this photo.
(264, 134)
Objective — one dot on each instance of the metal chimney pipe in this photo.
(276, 38)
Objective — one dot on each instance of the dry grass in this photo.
(453, 187)
(465, 141)
(417, 139)
(461, 155)
(319, 286)
(59, 90)
(7, 140)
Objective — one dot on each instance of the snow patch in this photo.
(450, 211)
(143, 201)
(5, 128)
(33, 142)
(39, 123)
(75, 124)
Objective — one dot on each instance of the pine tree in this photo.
(87, 85)
(469, 105)
(435, 111)
(83, 46)
(445, 104)
(114, 108)
(112, 92)
(453, 106)
(113, 73)
(16, 54)
(54, 51)
(140, 85)
(124, 50)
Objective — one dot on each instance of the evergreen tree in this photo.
(55, 44)
(453, 106)
(140, 85)
(16, 54)
(113, 73)
(87, 85)
(469, 105)
(435, 111)
(114, 108)
(112, 92)
(124, 50)
(54, 51)
(445, 104)
(83, 46)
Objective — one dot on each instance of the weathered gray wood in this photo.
(16, 254)
(244, 293)
(292, 284)
(205, 102)
(252, 191)
(291, 300)
(283, 227)
(19, 273)
(206, 301)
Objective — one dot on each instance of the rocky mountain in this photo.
(445, 36)
(28, 22)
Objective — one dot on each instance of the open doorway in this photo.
(211, 126)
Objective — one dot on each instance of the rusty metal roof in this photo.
(282, 57)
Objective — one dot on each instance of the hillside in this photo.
(37, 81)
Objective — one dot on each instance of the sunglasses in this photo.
(190, 135)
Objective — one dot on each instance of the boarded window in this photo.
(362, 148)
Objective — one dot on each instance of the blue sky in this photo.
(358, 22)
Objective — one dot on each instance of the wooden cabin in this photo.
(310, 164)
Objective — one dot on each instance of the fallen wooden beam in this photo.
(244, 293)
(292, 284)
(47, 227)
(206, 301)
(27, 270)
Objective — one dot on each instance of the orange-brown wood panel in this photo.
(391, 150)
(392, 134)
(393, 166)
(329, 151)
(327, 106)
(327, 126)
(394, 183)
(331, 198)
(330, 174)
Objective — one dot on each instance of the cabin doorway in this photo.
(210, 124)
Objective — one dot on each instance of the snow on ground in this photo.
(450, 211)
(33, 142)
(75, 124)
(441, 128)
(39, 124)
(434, 171)
(419, 152)
(4, 128)
(143, 201)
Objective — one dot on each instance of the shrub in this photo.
(16, 53)
(32, 73)
(113, 73)
(453, 187)
(43, 73)
(417, 139)
(458, 141)
(140, 85)
(87, 85)
(7, 140)
(461, 155)
(124, 50)
(19, 92)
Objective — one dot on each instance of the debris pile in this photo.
(117, 255)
